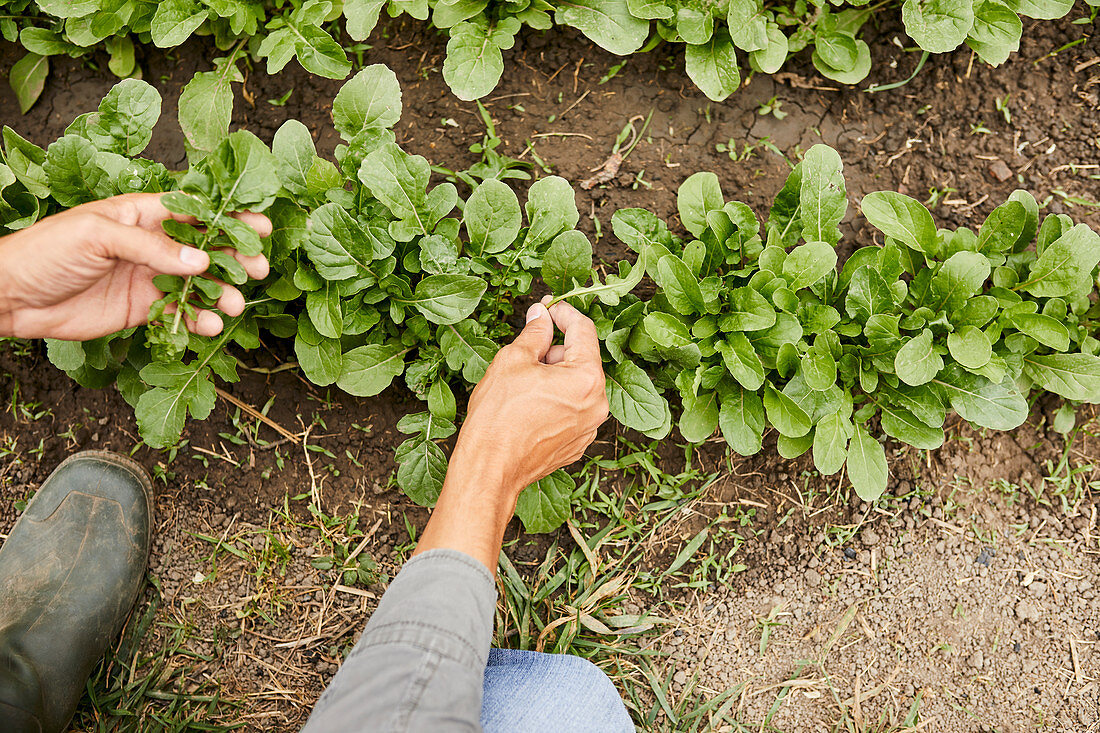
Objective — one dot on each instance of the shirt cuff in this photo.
(441, 601)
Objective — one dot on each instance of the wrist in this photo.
(482, 470)
(7, 309)
(472, 512)
(8, 304)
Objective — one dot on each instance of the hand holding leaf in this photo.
(89, 271)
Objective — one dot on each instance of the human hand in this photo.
(536, 409)
(538, 406)
(89, 271)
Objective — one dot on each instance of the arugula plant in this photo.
(754, 328)
(379, 275)
(375, 273)
(479, 31)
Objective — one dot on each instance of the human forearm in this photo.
(474, 508)
(7, 304)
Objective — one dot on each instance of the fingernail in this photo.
(192, 257)
(535, 311)
(546, 299)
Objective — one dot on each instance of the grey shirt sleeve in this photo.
(421, 660)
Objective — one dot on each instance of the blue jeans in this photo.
(531, 692)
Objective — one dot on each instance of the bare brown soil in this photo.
(265, 629)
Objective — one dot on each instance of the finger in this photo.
(205, 323)
(230, 302)
(556, 355)
(535, 338)
(582, 345)
(142, 247)
(256, 266)
(146, 210)
(259, 222)
(143, 210)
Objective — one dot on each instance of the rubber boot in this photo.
(69, 573)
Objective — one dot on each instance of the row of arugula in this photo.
(764, 32)
(378, 275)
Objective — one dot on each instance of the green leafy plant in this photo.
(754, 328)
(377, 274)
(767, 33)
(372, 277)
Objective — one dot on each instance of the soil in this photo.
(938, 613)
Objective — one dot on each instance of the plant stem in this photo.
(210, 229)
(885, 87)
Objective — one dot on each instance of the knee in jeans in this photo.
(588, 678)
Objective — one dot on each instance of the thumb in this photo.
(538, 334)
(156, 251)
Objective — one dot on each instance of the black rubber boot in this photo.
(69, 573)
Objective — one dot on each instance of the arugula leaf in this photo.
(368, 370)
(747, 310)
(822, 196)
(830, 446)
(983, 402)
(615, 287)
(741, 419)
(1041, 9)
(421, 464)
(568, 261)
(399, 181)
(370, 100)
(680, 286)
(28, 79)
(175, 21)
(492, 218)
(917, 362)
(177, 390)
(206, 105)
(301, 35)
(897, 422)
(697, 196)
(970, 347)
(73, 173)
(1073, 376)
(361, 17)
(125, 120)
(961, 276)
(320, 358)
(551, 209)
(785, 414)
(633, 400)
(712, 65)
(742, 361)
(474, 62)
(446, 299)
(771, 58)
(1046, 330)
(996, 32)
(748, 25)
(902, 218)
(699, 418)
(1065, 266)
(866, 465)
(338, 247)
(467, 349)
(608, 23)
(938, 26)
(808, 263)
(545, 505)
